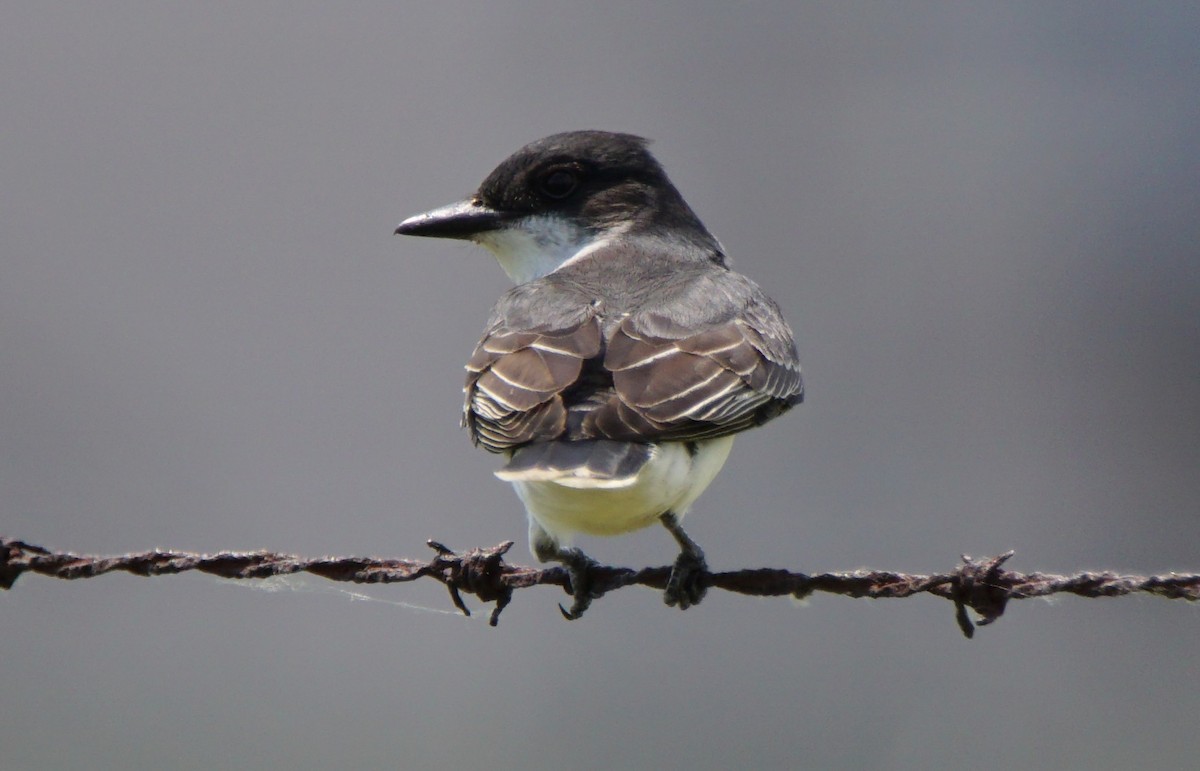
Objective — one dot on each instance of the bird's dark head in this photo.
(602, 179)
(561, 194)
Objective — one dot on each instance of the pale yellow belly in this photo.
(670, 481)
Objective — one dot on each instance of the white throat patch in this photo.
(535, 246)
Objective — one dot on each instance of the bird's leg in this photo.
(685, 587)
(577, 564)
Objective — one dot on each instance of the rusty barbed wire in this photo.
(981, 585)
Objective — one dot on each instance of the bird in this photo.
(615, 373)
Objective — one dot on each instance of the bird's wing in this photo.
(518, 373)
(712, 356)
(714, 359)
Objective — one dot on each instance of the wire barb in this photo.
(982, 585)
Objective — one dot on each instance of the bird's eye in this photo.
(559, 183)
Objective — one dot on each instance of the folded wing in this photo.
(714, 358)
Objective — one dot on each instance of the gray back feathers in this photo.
(634, 344)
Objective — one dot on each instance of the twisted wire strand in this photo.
(981, 585)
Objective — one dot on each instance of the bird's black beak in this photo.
(457, 220)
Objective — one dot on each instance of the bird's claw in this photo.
(577, 564)
(686, 587)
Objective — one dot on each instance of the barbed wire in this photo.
(981, 585)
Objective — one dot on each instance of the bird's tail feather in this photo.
(599, 463)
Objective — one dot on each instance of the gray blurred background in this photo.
(980, 219)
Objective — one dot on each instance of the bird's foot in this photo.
(686, 586)
(578, 566)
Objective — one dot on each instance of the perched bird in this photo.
(616, 372)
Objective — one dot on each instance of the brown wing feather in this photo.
(714, 358)
(515, 382)
(721, 380)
